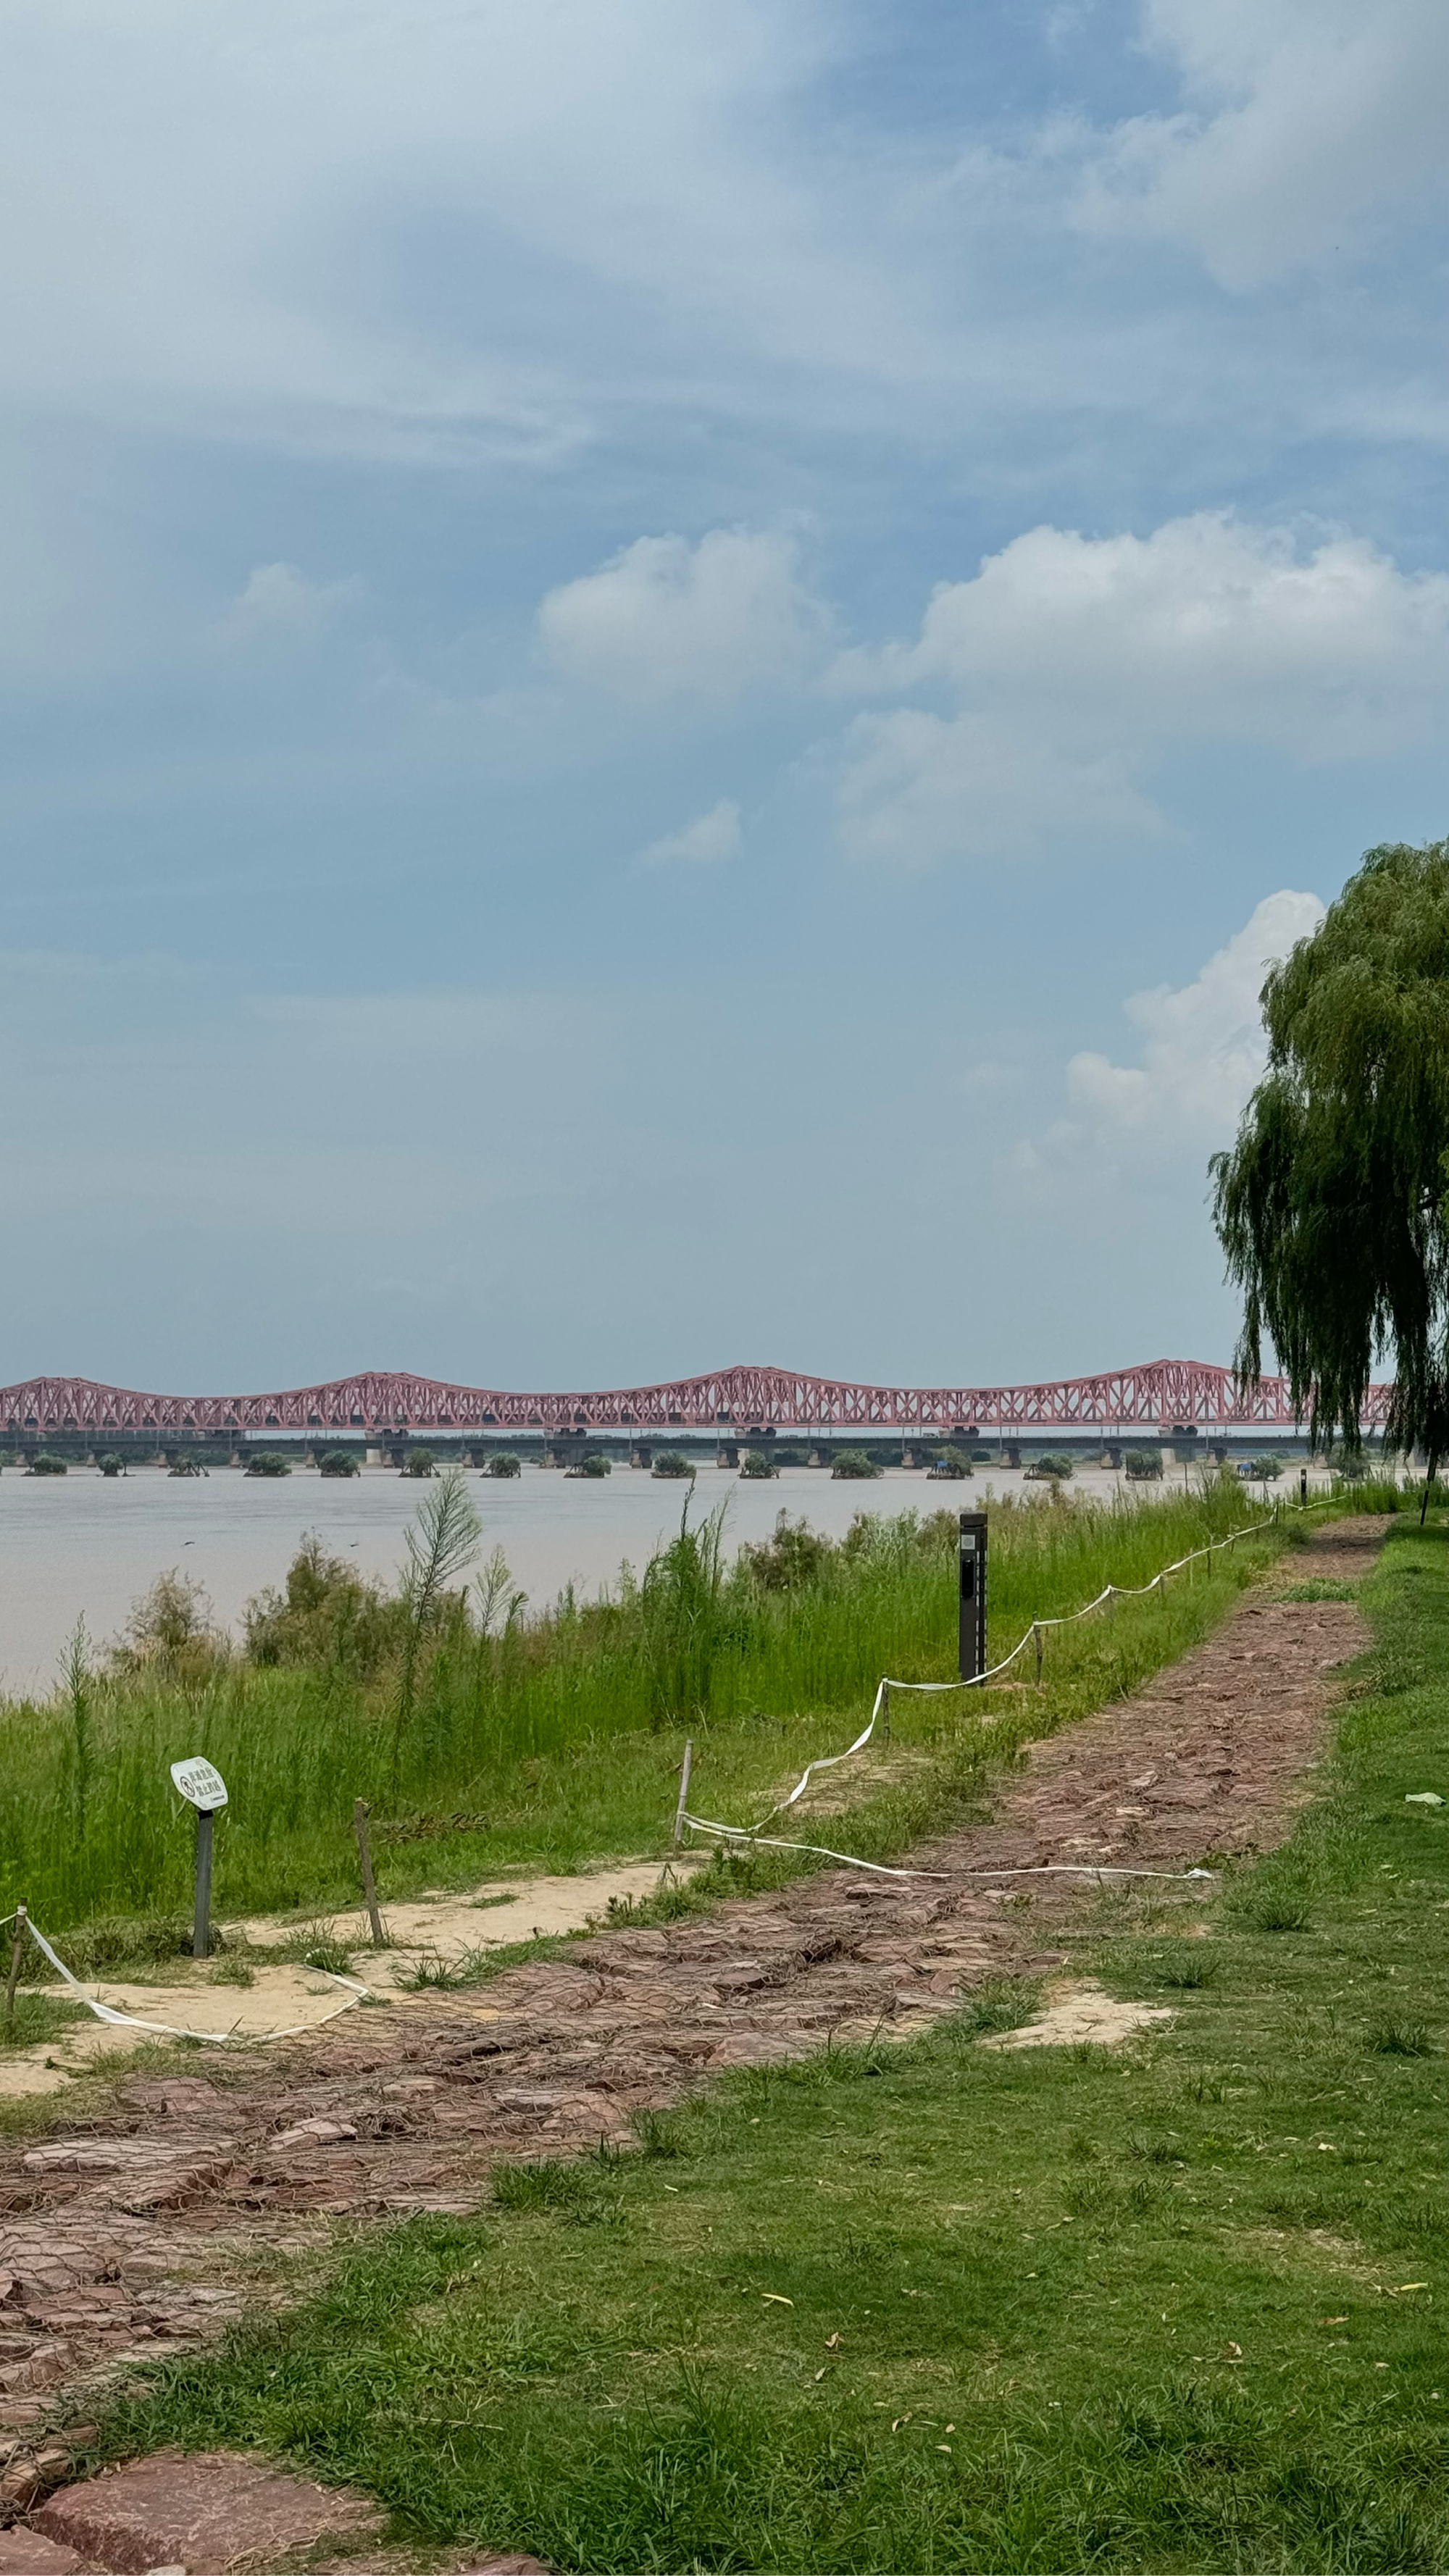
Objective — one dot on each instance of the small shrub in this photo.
(660, 2133)
(171, 1633)
(1143, 1464)
(789, 1560)
(329, 1954)
(1275, 1914)
(44, 1465)
(1054, 1463)
(187, 1467)
(419, 1462)
(432, 1974)
(268, 1462)
(326, 1615)
(854, 1464)
(1265, 1471)
(593, 1463)
(110, 1464)
(1399, 2039)
(338, 1462)
(756, 1467)
(505, 1462)
(1187, 1974)
(672, 1462)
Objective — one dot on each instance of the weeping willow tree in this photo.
(1333, 1205)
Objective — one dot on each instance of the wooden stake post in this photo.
(21, 1928)
(369, 1883)
(684, 1771)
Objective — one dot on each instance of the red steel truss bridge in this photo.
(1165, 1395)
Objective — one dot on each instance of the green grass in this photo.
(557, 1743)
(36, 2019)
(940, 2308)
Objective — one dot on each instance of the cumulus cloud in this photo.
(1299, 119)
(666, 619)
(1202, 1048)
(1071, 664)
(283, 603)
(703, 843)
(915, 787)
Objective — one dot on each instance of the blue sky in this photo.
(668, 668)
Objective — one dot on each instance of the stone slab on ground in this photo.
(29, 2553)
(208, 2512)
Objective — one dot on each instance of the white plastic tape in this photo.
(169, 2030)
(888, 1869)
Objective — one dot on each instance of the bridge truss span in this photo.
(1161, 1396)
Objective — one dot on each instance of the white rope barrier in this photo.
(167, 2030)
(1064, 1619)
(887, 1869)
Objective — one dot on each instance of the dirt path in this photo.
(122, 2243)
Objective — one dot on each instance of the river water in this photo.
(89, 1545)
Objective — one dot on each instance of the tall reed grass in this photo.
(465, 1704)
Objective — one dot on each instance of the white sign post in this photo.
(202, 1786)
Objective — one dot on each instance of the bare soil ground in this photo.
(133, 2236)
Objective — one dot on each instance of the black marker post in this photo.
(972, 1630)
(202, 1786)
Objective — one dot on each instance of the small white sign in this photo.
(200, 1782)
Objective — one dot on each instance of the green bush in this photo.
(419, 1462)
(268, 1462)
(789, 1560)
(45, 1465)
(672, 1462)
(111, 1464)
(1053, 1463)
(593, 1463)
(855, 1464)
(1141, 1464)
(505, 1462)
(171, 1635)
(756, 1466)
(338, 1462)
(1265, 1470)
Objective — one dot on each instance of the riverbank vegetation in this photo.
(932, 2306)
(559, 1732)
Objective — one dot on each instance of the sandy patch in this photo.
(450, 1926)
(279, 2000)
(1082, 2012)
(284, 1998)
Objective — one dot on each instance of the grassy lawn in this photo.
(942, 2307)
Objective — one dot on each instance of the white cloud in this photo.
(703, 843)
(1076, 663)
(282, 602)
(1202, 1049)
(212, 218)
(1300, 119)
(914, 788)
(665, 619)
